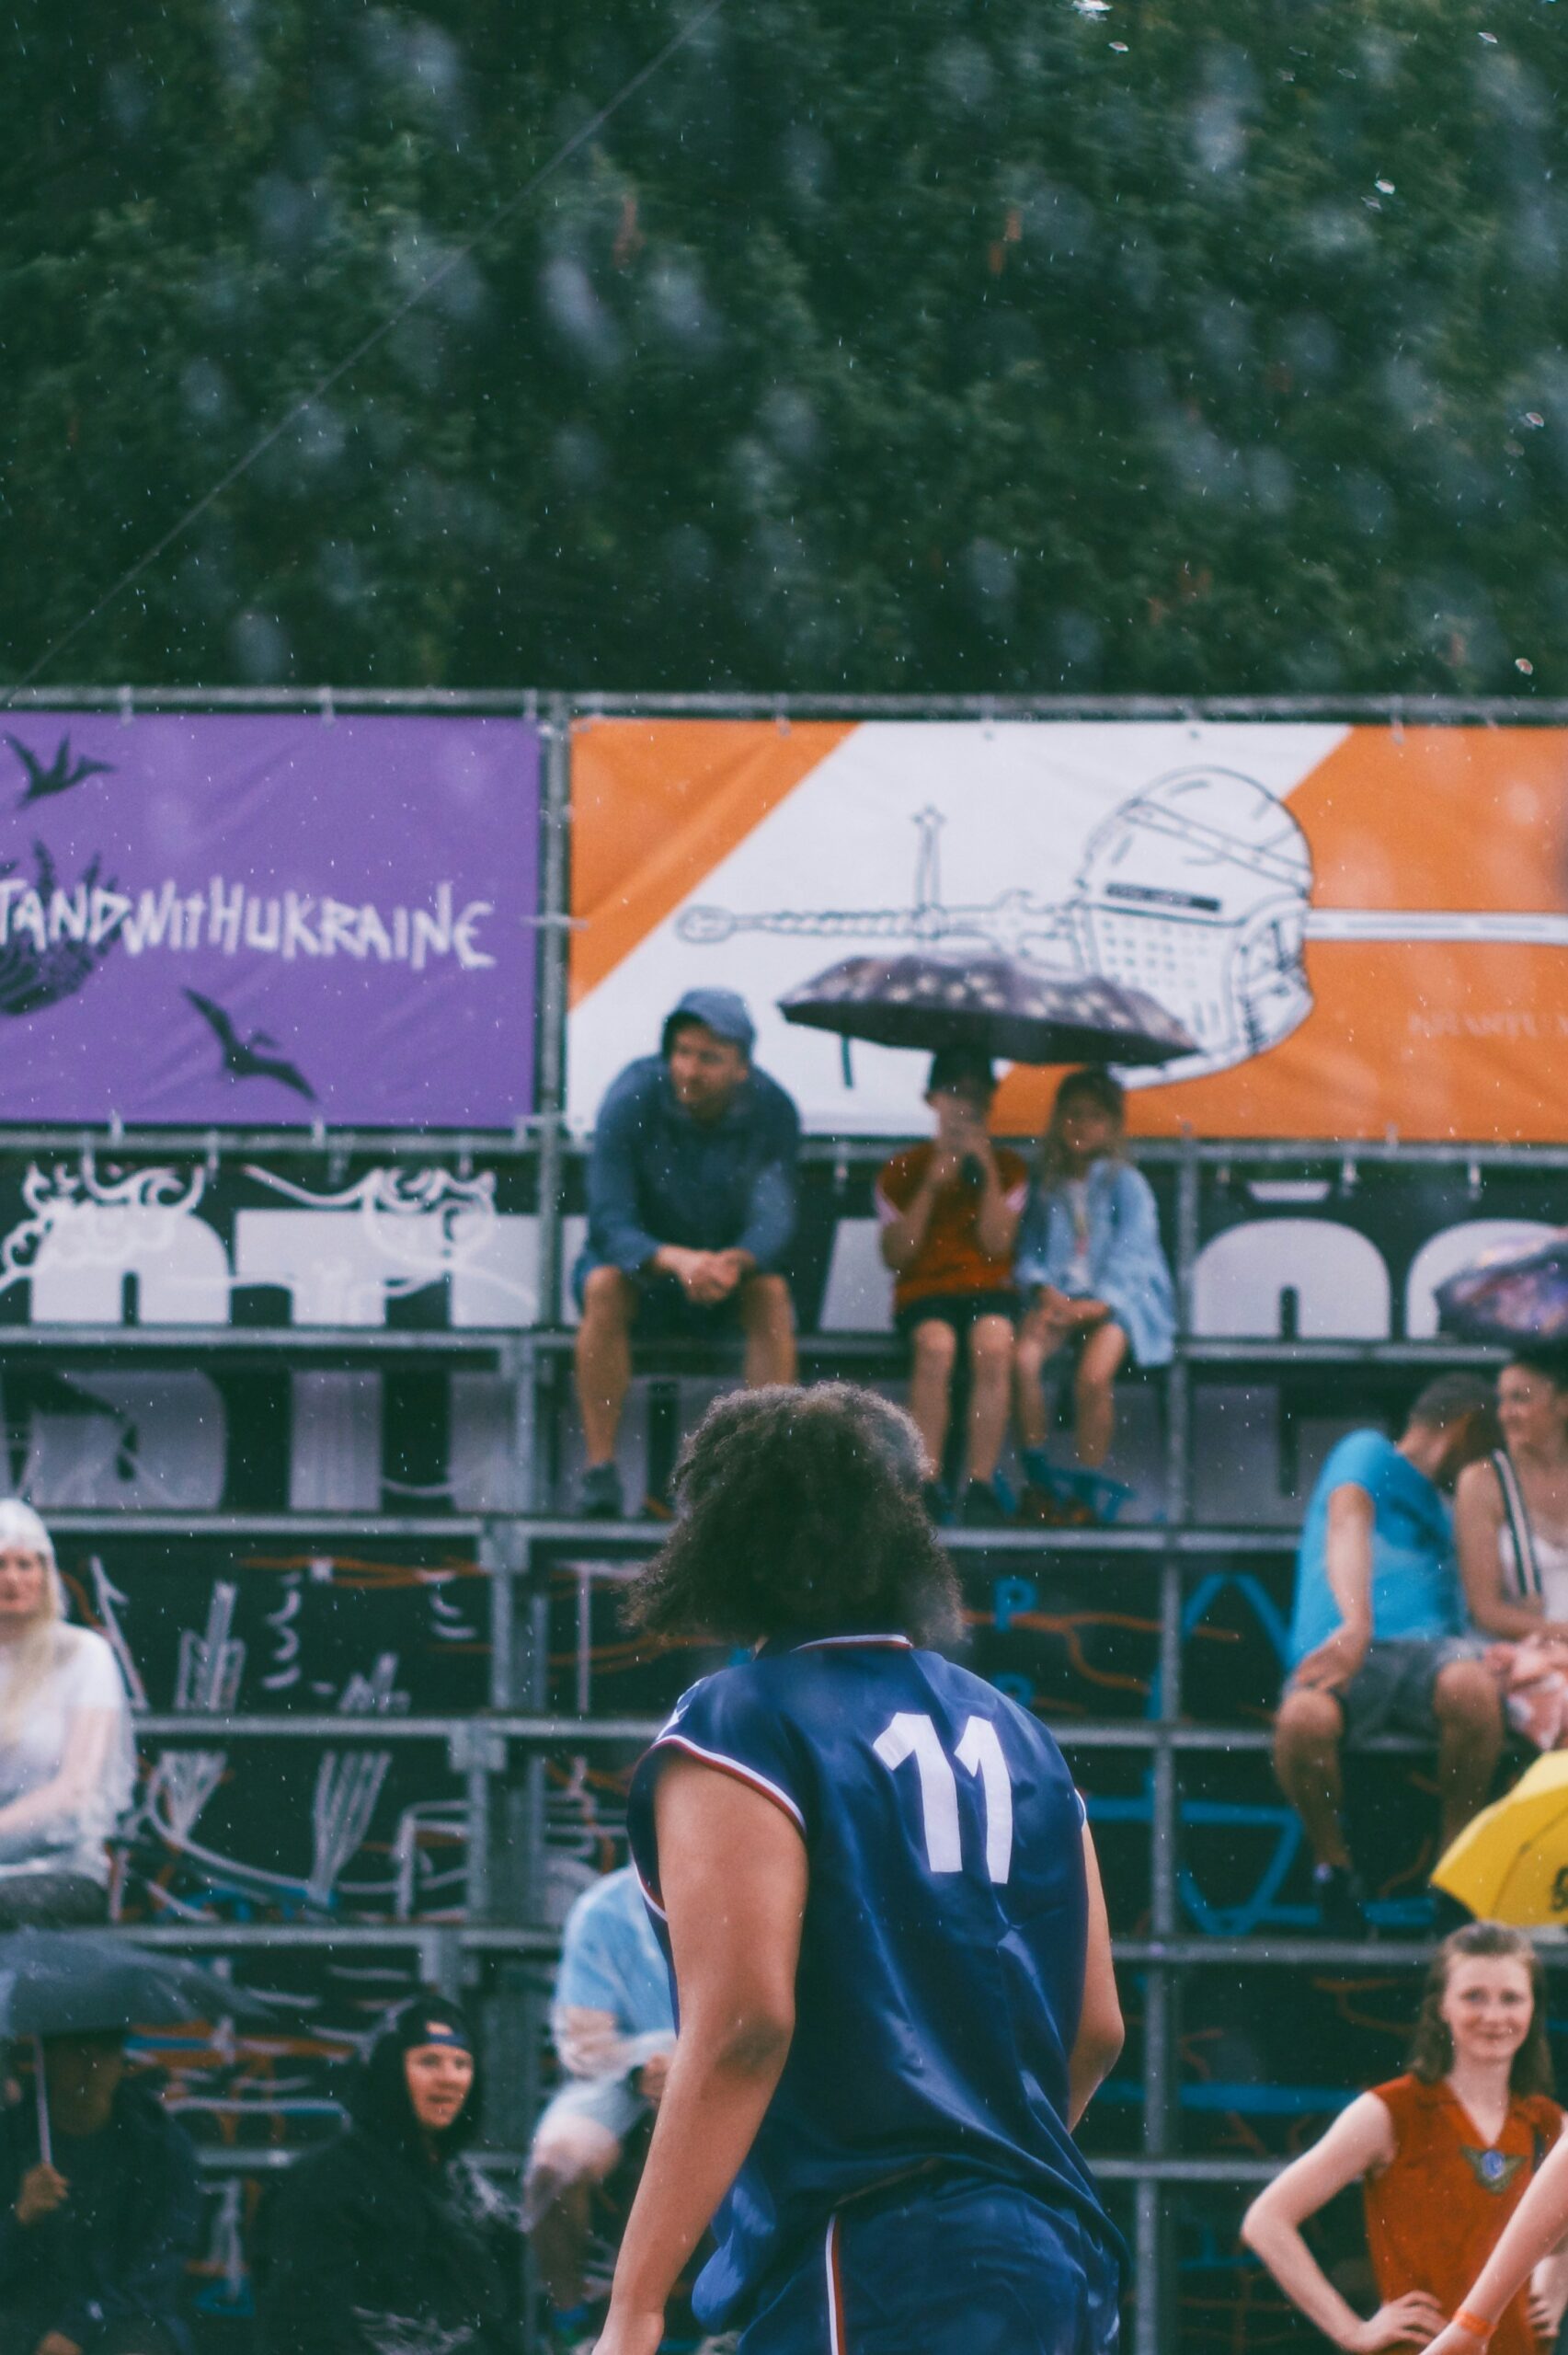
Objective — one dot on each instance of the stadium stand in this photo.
(466, 1710)
(387, 1716)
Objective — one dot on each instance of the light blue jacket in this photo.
(1127, 1265)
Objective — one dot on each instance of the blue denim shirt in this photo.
(1127, 1265)
(657, 1175)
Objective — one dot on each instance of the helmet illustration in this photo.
(1196, 890)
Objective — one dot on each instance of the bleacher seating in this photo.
(1153, 1648)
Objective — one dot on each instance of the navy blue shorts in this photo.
(959, 2267)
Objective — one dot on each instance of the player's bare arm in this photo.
(734, 1889)
(1536, 2227)
(1101, 2033)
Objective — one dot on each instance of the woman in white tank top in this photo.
(1511, 1523)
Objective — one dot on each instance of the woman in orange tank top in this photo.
(1445, 2154)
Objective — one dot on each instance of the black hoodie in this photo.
(373, 2247)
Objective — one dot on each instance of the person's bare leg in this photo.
(1039, 1339)
(1307, 1735)
(605, 1359)
(991, 1383)
(935, 1351)
(767, 1317)
(559, 2241)
(562, 2173)
(1095, 1399)
(1468, 1709)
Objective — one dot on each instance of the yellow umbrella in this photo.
(1511, 1863)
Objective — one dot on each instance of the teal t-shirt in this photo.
(1415, 1584)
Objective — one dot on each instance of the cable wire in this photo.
(367, 343)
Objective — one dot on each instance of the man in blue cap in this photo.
(690, 1208)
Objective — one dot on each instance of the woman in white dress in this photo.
(67, 1760)
(1511, 1523)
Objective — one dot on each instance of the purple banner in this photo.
(265, 920)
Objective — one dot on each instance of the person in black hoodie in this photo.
(389, 2241)
(94, 2241)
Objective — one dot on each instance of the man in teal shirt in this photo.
(1378, 1640)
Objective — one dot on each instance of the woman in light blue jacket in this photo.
(1090, 1268)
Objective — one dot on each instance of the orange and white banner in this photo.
(1365, 929)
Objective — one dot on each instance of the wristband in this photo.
(1477, 2325)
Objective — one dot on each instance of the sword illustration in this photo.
(1021, 924)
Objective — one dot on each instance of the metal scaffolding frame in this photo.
(500, 1753)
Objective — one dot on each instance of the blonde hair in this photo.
(32, 1654)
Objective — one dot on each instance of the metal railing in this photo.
(504, 1921)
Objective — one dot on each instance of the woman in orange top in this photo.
(1445, 2155)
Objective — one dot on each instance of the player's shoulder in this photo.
(1408, 2101)
(802, 1685)
(727, 1699)
(961, 1687)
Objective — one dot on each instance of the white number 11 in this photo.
(979, 1752)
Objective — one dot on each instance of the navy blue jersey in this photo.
(942, 1953)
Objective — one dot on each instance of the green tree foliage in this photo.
(1177, 346)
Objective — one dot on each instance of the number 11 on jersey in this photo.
(979, 1753)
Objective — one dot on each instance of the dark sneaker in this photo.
(1053, 1499)
(1103, 1496)
(1041, 1508)
(981, 1508)
(933, 1496)
(599, 1496)
(1340, 1903)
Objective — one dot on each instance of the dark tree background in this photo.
(1192, 346)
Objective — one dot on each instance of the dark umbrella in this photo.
(1518, 1289)
(75, 1982)
(993, 1003)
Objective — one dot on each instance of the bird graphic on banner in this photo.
(242, 1058)
(61, 775)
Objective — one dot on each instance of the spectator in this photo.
(388, 2238)
(1511, 1521)
(1376, 1641)
(1443, 2157)
(1092, 1269)
(67, 1764)
(614, 2030)
(94, 2242)
(949, 1213)
(690, 1208)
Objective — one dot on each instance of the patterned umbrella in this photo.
(993, 1003)
(1518, 1290)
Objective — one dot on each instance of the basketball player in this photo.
(892, 1962)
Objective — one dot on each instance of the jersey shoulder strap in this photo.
(1527, 1569)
